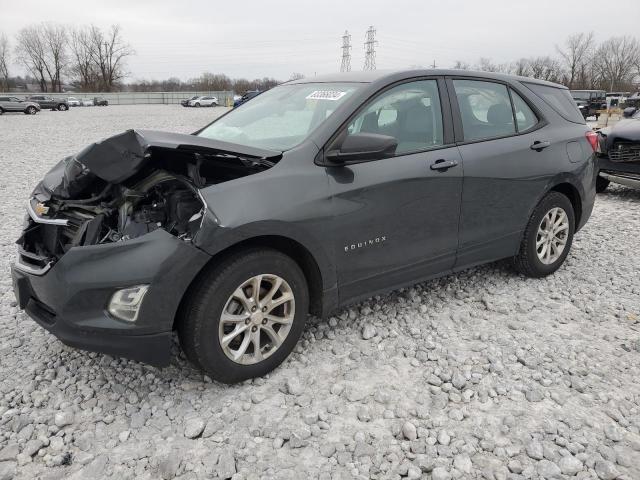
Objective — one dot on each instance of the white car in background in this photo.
(87, 102)
(73, 102)
(204, 102)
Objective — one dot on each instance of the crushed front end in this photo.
(619, 153)
(109, 245)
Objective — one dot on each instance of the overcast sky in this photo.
(275, 38)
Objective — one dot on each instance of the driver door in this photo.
(396, 219)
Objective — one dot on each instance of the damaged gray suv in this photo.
(313, 195)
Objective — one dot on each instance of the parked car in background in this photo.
(204, 101)
(314, 194)
(87, 102)
(73, 102)
(14, 104)
(50, 103)
(185, 102)
(100, 101)
(619, 152)
(246, 97)
(590, 101)
(616, 99)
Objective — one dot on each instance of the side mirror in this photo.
(628, 112)
(362, 147)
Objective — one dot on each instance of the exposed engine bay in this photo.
(127, 186)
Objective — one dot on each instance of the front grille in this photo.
(625, 152)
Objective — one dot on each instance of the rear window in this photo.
(559, 99)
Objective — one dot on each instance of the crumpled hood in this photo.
(625, 130)
(119, 157)
(628, 129)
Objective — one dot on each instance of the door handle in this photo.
(443, 164)
(538, 146)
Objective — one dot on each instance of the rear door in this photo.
(396, 219)
(504, 176)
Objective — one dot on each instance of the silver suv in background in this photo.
(203, 102)
(14, 104)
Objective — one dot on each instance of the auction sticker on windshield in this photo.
(326, 95)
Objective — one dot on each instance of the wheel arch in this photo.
(573, 194)
(292, 248)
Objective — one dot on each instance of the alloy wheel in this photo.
(256, 319)
(552, 235)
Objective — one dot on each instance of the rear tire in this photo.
(547, 238)
(62, 107)
(601, 184)
(31, 111)
(221, 303)
(1, 111)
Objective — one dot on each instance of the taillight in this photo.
(592, 137)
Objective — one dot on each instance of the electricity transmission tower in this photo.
(345, 66)
(370, 49)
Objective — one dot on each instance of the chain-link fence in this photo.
(225, 98)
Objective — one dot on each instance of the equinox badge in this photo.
(367, 243)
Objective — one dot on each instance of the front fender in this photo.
(214, 239)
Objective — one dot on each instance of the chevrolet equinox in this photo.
(314, 194)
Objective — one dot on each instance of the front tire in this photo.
(197, 105)
(601, 184)
(62, 107)
(547, 238)
(245, 315)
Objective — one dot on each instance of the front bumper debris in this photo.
(70, 299)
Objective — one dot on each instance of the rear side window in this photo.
(485, 109)
(525, 118)
(559, 99)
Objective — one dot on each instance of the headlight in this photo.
(125, 303)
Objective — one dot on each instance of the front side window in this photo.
(525, 118)
(282, 117)
(485, 109)
(409, 112)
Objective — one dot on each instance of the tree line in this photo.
(90, 58)
(579, 63)
(210, 82)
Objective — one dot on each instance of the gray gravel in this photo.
(483, 374)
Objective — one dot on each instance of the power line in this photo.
(370, 49)
(345, 66)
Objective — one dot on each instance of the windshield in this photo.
(282, 117)
(581, 95)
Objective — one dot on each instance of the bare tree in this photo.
(296, 76)
(616, 61)
(83, 68)
(109, 52)
(545, 68)
(575, 54)
(31, 52)
(460, 65)
(521, 67)
(487, 65)
(4, 62)
(56, 42)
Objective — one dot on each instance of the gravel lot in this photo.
(483, 374)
